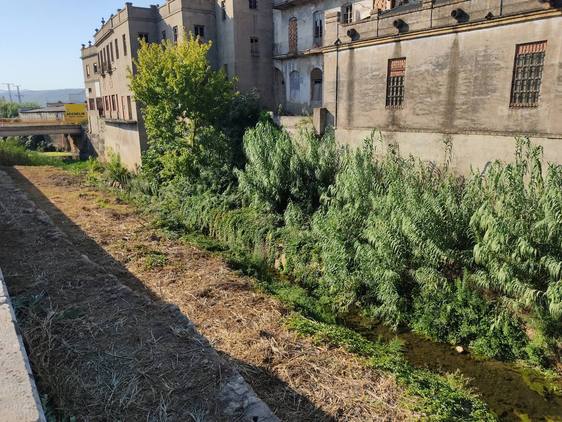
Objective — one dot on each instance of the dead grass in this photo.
(298, 379)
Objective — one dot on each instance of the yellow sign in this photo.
(75, 113)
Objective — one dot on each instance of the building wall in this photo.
(111, 126)
(253, 72)
(297, 67)
(457, 87)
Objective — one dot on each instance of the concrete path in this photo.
(19, 400)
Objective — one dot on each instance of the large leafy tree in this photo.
(178, 90)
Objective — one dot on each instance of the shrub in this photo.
(281, 170)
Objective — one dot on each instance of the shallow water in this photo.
(513, 393)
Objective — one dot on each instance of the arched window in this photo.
(318, 27)
(293, 35)
(316, 87)
(295, 85)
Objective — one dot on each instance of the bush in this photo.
(281, 170)
(13, 153)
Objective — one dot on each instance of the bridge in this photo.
(30, 128)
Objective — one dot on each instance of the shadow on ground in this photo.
(103, 351)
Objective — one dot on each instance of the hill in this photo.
(42, 97)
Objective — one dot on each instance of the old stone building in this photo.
(241, 33)
(476, 73)
(469, 73)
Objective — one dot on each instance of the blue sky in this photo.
(40, 39)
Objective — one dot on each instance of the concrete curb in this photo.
(19, 398)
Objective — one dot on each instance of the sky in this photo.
(40, 40)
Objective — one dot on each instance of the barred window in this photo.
(395, 83)
(527, 74)
(293, 35)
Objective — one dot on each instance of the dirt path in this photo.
(297, 379)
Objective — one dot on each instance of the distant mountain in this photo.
(73, 95)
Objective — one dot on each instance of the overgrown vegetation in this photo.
(474, 261)
(14, 152)
(10, 110)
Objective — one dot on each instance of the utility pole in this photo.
(19, 95)
(9, 91)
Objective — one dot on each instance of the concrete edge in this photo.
(12, 376)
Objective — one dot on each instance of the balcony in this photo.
(285, 4)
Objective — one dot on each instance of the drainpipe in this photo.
(337, 44)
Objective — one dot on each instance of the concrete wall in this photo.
(124, 140)
(19, 398)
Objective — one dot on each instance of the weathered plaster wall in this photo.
(457, 84)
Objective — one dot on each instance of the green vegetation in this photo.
(474, 261)
(442, 398)
(10, 110)
(13, 152)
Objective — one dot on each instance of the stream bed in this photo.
(513, 392)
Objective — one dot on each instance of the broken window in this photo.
(347, 13)
(318, 28)
(199, 31)
(395, 83)
(527, 74)
(254, 47)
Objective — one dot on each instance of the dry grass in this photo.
(298, 379)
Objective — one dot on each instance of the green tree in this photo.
(178, 90)
(9, 110)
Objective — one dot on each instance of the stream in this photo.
(513, 393)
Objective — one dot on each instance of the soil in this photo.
(111, 336)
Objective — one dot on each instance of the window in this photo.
(175, 30)
(88, 70)
(111, 51)
(199, 31)
(95, 68)
(89, 90)
(347, 13)
(253, 4)
(123, 108)
(92, 104)
(116, 49)
(395, 83)
(318, 27)
(223, 8)
(124, 45)
(143, 36)
(527, 74)
(113, 104)
(293, 35)
(163, 35)
(295, 85)
(316, 87)
(129, 108)
(254, 47)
